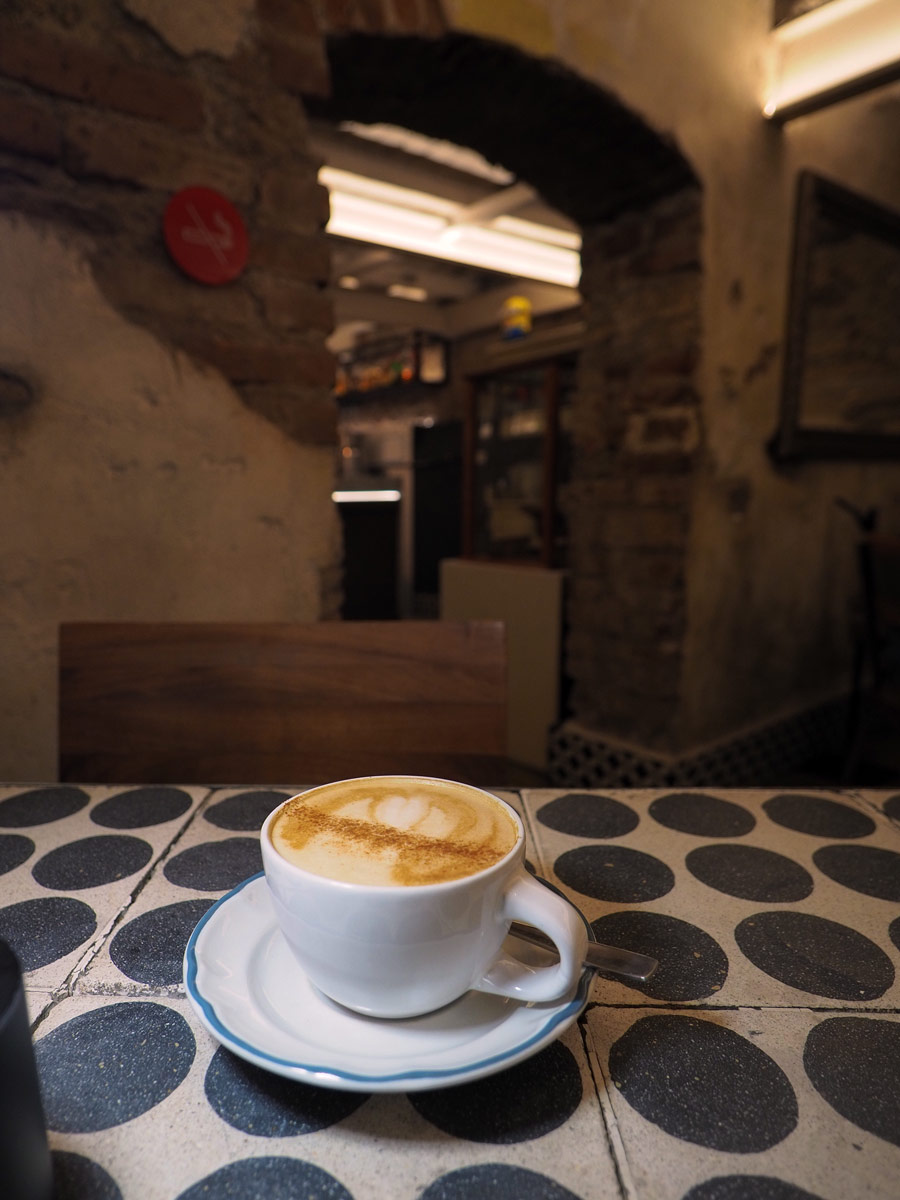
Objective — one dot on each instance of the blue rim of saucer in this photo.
(232, 1041)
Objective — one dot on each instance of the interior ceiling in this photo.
(373, 285)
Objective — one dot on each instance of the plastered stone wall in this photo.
(168, 448)
(136, 485)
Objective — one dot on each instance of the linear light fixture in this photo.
(541, 233)
(405, 219)
(373, 496)
(830, 53)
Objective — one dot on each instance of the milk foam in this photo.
(393, 831)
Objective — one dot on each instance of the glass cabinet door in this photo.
(517, 454)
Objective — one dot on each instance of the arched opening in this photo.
(587, 154)
(456, 308)
(631, 423)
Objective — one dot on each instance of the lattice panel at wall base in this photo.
(579, 757)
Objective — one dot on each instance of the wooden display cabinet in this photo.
(517, 452)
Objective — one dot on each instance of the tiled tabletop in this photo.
(761, 1062)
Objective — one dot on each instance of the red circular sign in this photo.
(205, 235)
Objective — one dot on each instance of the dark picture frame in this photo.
(829, 216)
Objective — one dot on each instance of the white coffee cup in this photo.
(407, 949)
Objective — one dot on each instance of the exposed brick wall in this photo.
(100, 123)
(71, 67)
(637, 437)
(383, 16)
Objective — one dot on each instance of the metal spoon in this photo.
(598, 956)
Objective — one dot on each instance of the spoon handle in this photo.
(602, 958)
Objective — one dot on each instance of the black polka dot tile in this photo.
(91, 862)
(150, 949)
(14, 850)
(703, 1083)
(525, 1102)
(815, 955)
(266, 1105)
(818, 817)
(272, 1178)
(705, 816)
(588, 816)
(215, 866)
(854, 1063)
(615, 873)
(760, 931)
(750, 873)
(44, 930)
(140, 807)
(78, 1178)
(108, 1066)
(747, 1187)
(244, 811)
(40, 806)
(496, 1181)
(692, 965)
(892, 807)
(870, 870)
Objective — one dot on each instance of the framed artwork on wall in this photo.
(840, 394)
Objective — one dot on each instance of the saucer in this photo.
(252, 996)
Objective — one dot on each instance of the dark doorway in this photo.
(437, 455)
(371, 542)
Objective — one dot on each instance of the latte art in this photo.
(394, 831)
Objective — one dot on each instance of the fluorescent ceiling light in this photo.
(353, 215)
(830, 53)
(376, 495)
(541, 233)
(370, 211)
(350, 184)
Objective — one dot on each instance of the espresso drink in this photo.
(394, 831)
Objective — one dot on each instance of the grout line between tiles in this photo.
(67, 987)
(614, 1139)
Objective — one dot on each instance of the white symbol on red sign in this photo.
(205, 235)
(200, 234)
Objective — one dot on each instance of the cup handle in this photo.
(527, 900)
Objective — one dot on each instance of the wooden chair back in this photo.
(291, 704)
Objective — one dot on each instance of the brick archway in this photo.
(636, 411)
(586, 153)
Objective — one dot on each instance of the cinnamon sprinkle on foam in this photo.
(411, 858)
